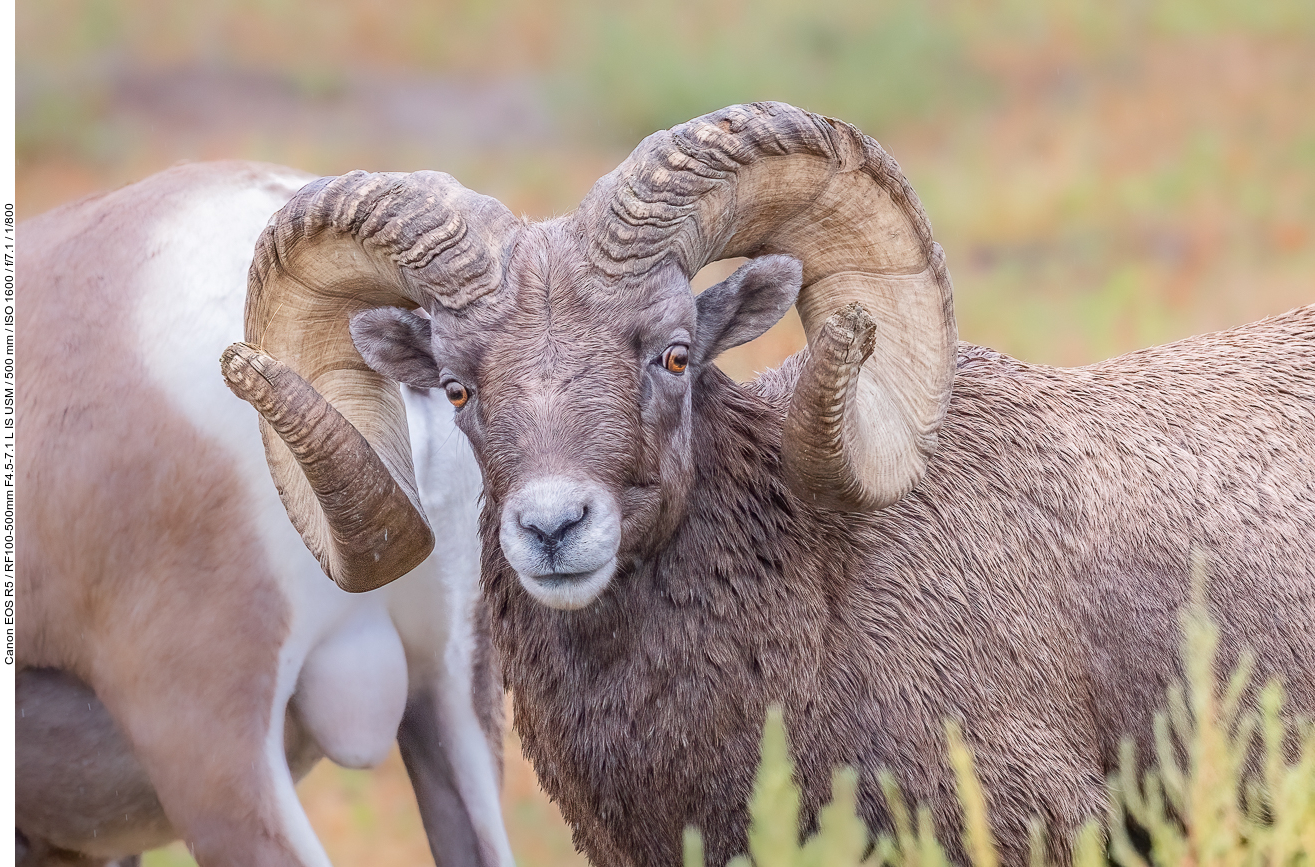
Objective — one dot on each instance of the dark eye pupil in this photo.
(677, 359)
(456, 392)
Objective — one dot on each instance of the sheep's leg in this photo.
(39, 853)
(452, 727)
(78, 788)
(86, 784)
(82, 796)
(210, 737)
(455, 782)
(229, 799)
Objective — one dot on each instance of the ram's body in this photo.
(892, 530)
(156, 564)
(1029, 589)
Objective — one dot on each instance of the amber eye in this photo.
(456, 392)
(676, 358)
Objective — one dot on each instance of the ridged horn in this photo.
(876, 302)
(335, 431)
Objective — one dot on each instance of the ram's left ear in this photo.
(745, 304)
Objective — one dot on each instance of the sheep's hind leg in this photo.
(207, 726)
(456, 781)
(81, 797)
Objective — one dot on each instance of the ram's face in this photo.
(577, 404)
(573, 347)
(575, 393)
(578, 407)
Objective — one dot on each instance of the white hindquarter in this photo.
(348, 662)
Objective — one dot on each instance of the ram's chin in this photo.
(569, 592)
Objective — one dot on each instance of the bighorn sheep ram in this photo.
(170, 614)
(891, 530)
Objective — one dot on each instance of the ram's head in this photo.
(573, 348)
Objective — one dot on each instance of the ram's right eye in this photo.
(456, 392)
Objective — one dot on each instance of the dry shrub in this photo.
(1233, 786)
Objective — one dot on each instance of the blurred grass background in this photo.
(1103, 174)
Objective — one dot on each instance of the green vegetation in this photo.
(1228, 819)
(1103, 174)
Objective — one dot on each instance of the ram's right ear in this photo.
(396, 343)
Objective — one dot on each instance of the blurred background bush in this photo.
(1103, 174)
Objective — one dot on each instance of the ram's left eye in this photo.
(676, 358)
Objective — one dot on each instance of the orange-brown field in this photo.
(1103, 176)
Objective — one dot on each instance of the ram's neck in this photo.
(637, 710)
(745, 539)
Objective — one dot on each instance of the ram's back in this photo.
(1059, 522)
(136, 467)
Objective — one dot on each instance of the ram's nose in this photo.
(561, 536)
(550, 523)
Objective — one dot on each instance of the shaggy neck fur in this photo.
(672, 669)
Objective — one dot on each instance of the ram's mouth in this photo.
(568, 579)
(569, 591)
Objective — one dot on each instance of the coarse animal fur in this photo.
(178, 648)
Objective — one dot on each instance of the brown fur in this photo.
(163, 509)
(1028, 589)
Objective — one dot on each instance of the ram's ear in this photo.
(396, 343)
(745, 304)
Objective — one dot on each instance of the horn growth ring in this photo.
(770, 178)
(340, 246)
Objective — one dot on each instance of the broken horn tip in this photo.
(238, 352)
(231, 364)
(852, 323)
(857, 310)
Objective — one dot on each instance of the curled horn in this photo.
(334, 430)
(876, 301)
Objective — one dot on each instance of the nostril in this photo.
(544, 537)
(561, 535)
(550, 530)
